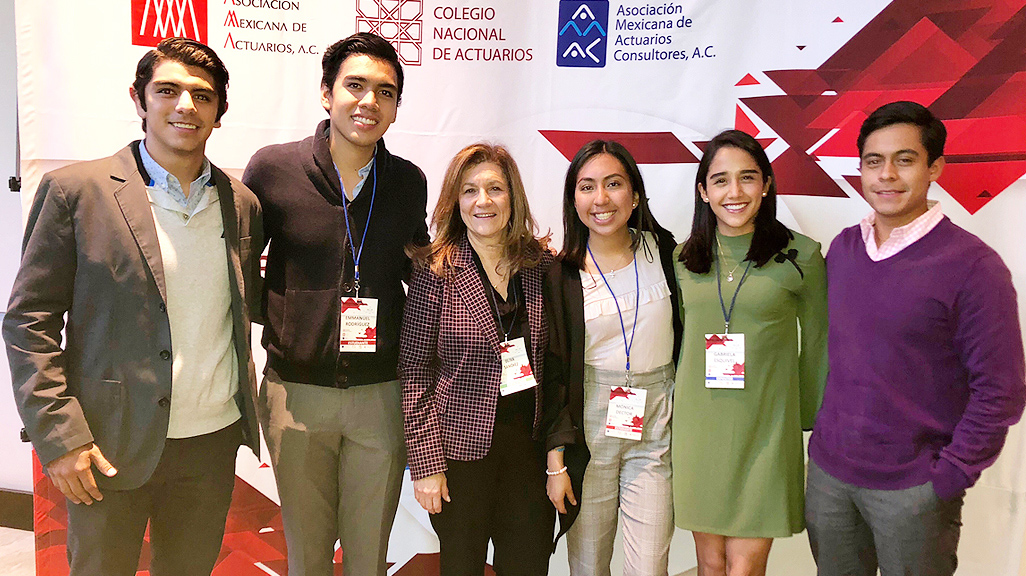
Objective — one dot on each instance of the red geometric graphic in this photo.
(398, 21)
(748, 80)
(965, 60)
(154, 20)
(743, 123)
(646, 147)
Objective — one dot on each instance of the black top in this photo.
(517, 409)
(309, 262)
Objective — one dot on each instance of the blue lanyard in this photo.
(623, 330)
(363, 241)
(719, 289)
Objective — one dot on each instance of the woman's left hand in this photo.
(559, 490)
(430, 492)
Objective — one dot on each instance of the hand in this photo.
(73, 473)
(559, 489)
(431, 491)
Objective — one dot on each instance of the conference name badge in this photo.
(725, 361)
(516, 367)
(359, 329)
(626, 413)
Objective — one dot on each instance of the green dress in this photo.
(738, 459)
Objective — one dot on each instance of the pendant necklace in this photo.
(730, 275)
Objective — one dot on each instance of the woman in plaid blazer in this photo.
(475, 305)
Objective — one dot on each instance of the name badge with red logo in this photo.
(516, 367)
(725, 361)
(626, 413)
(359, 329)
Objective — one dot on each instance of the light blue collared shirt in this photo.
(363, 172)
(166, 191)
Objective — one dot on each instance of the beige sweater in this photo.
(203, 378)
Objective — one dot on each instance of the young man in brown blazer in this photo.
(148, 254)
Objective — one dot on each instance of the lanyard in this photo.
(627, 347)
(516, 307)
(363, 241)
(719, 289)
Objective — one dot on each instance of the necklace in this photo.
(730, 275)
(620, 264)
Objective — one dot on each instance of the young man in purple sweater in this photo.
(926, 366)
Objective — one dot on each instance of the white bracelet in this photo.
(557, 472)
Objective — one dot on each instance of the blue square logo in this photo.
(582, 33)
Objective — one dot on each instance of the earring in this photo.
(763, 194)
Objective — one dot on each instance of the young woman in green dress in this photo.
(752, 365)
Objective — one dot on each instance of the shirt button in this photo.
(164, 402)
(163, 307)
(342, 380)
(165, 355)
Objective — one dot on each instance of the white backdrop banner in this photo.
(544, 76)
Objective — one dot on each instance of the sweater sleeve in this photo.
(256, 177)
(812, 318)
(989, 343)
(418, 204)
(418, 343)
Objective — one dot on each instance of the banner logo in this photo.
(398, 21)
(582, 33)
(154, 20)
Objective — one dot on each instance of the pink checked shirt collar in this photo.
(901, 237)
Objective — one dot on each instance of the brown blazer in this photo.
(90, 251)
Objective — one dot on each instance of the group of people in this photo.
(624, 380)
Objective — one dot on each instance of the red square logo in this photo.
(154, 20)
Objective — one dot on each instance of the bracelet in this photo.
(556, 472)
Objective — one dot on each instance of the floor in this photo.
(789, 557)
(17, 553)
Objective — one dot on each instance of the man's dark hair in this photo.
(190, 53)
(931, 129)
(360, 43)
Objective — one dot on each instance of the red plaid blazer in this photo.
(449, 362)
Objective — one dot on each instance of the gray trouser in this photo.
(854, 530)
(338, 458)
(632, 477)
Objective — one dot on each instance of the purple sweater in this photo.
(926, 363)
